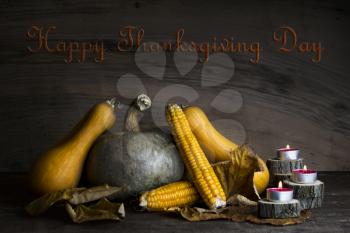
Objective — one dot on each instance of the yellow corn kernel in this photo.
(203, 175)
(178, 194)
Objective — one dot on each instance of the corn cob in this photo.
(176, 194)
(203, 175)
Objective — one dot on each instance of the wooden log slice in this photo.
(277, 166)
(311, 202)
(268, 209)
(301, 191)
(276, 178)
(309, 195)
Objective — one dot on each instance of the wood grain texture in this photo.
(315, 189)
(311, 202)
(277, 166)
(309, 195)
(275, 178)
(333, 216)
(268, 209)
(286, 98)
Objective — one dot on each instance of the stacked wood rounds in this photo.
(281, 170)
(293, 186)
(309, 195)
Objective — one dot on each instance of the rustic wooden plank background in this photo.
(287, 98)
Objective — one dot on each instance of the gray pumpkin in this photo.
(136, 160)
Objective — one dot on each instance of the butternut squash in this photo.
(61, 166)
(216, 146)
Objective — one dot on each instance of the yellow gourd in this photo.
(61, 166)
(261, 178)
(217, 147)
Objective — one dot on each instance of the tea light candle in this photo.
(288, 153)
(279, 203)
(304, 176)
(279, 194)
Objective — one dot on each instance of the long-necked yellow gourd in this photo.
(216, 146)
(61, 166)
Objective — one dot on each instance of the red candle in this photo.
(279, 194)
(287, 148)
(302, 171)
(288, 153)
(304, 175)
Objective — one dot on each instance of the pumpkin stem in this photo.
(114, 103)
(140, 104)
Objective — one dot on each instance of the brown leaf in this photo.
(41, 204)
(236, 175)
(241, 200)
(93, 194)
(199, 214)
(242, 209)
(73, 196)
(238, 211)
(102, 210)
(304, 215)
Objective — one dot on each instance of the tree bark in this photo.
(276, 178)
(268, 209)
(309, 195)
(277, 166)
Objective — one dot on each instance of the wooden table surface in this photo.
(333, 217)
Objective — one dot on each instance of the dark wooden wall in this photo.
(286, 97)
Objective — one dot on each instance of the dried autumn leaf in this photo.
(93, 194)
(242, 209)
(102, 210)
(236, 175)
(77, 196)
(241, 200)
(40, 205)
(304, 215)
